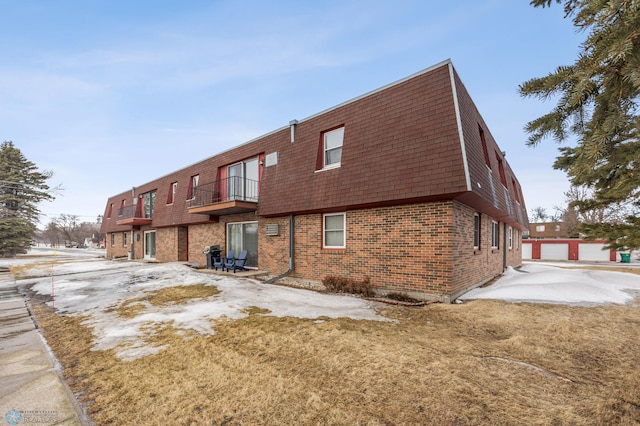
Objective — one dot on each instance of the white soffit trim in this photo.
(459, 122)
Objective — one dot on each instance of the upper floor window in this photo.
(515, 190)
(503, 177)
(333, 147)
(149, 201)
(243, 180)
(193, 186)
(334, 230)
(110, 210)
(485, 151)
(173, 187)
(122, 204)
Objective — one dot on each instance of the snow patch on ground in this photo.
(92, 289)
(544, 283)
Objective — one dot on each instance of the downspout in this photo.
(134, 201)
(504, 247)
(292, 241)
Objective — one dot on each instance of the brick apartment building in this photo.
(404, 185)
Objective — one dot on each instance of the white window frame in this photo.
(124, 239)
(495, 234)
(193, 186)
(325, 230)
(476, 231)
(325, 136)
(510, 234)
(172, 192)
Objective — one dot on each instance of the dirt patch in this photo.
(483, 362)
(131, 308)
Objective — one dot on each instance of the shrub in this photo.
(402, 297)
(335, 284)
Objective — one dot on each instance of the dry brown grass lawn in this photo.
(483, 362)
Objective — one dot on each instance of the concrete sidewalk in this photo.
(32, 391)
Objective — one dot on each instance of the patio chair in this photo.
(237, 263)
(220, 263)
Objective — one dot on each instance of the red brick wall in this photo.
(420, 249)
(209, 234)
(473, 267)
(118, 249)
(424, 250)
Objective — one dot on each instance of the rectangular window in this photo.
(540, 228)
(495, 234)
(515, 190)
(476, 231)
(485, 151)
(122, 204)
(333, 147)
(110, 210)
(503, 177)
(113, 239)
(193, 187)
(148, 203)
(334, 230)
(173, 187)
(124, 239)
(510, 234)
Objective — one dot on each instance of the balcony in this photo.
(132, 215)
(232, 195)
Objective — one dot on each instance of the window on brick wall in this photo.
(124, 239)
(110, 210)
(333, 229)
(331, 143)
(476, 231)
(173, 187)
(113, 239)
(510, 235)
(495, 234)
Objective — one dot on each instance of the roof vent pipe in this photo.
(292, 125)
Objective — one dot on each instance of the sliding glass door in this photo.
(244, 236)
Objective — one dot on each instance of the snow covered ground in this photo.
(539, 282)
(85, 283)
(91, 286)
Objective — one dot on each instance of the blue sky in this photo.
(111, 94)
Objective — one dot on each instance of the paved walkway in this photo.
(32, 391)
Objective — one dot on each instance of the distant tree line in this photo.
(66, 230)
